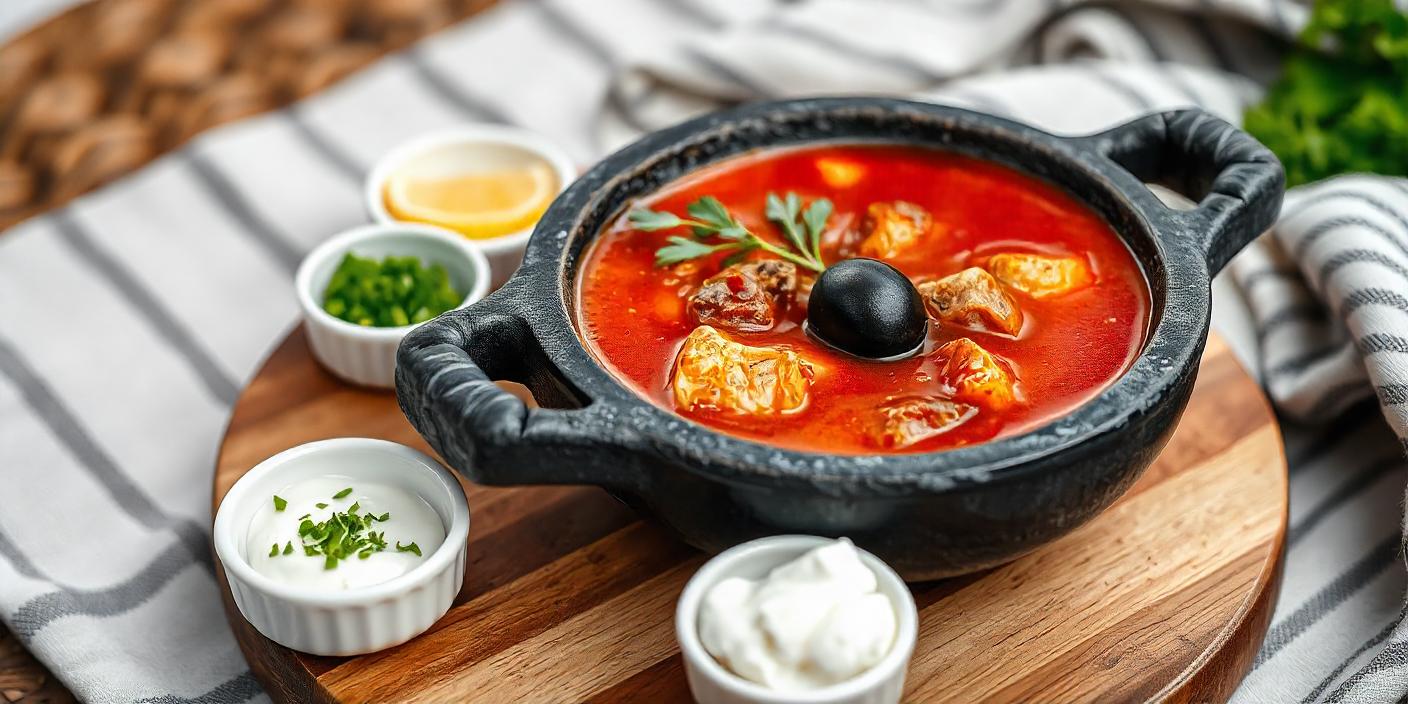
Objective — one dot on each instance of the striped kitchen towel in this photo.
(130, 319)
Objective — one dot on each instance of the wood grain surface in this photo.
(570, 597)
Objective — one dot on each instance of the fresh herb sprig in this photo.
(708, 219)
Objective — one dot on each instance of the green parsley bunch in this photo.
(1341, 103)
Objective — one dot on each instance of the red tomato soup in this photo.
(635, 316)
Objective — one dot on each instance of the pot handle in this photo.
(444, 384)
(1240, 182)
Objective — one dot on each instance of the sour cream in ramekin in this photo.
(295, 599)
(813, 622)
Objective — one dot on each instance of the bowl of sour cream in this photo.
(343, 546)
(795, 618)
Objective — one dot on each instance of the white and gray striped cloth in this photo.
(130, 319)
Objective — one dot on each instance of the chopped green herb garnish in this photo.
(305, 517)
(274, 550)
(391, 292)
(321, 505)
(342, 535)
(279, 503)
(343, 493)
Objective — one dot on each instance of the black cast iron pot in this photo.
(929, 515)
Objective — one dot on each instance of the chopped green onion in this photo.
(390, 292)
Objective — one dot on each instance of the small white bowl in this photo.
(474, 144)
(367, 355)
(711, 683)
(357, 620)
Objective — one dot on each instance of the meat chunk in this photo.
(973, 375)
(715, 373)
(972, 298)
(745, 297)
(904, 421)
(1040, 276)
(892, 228)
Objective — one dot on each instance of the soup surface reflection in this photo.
(1034, 303)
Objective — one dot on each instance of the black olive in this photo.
(867, 308)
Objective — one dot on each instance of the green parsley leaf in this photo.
(653, 220)
(683, 249)
(342, 494)
(321, 505)
(279, 503)
(288, 548)
(710, 211)
(784, 214)
(815, 218)
(408, 548)
(274, 551)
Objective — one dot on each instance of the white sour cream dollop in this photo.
(813, 622)
(411, 520)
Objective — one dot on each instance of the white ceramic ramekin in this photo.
(367, 355)
(358, 620)
(472, 144)
(711, 683)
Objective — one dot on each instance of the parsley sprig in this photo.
(710, 220)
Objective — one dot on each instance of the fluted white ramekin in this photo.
(367, 355)
(471, 144)
(359, 620)
(711, 683)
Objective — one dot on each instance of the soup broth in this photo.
(1076, 322)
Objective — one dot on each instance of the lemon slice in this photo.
(477, 204)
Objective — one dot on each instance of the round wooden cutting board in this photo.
(570, 597)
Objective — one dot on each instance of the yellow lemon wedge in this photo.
(477, 204)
